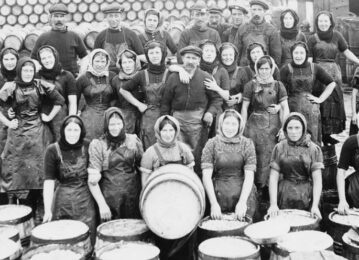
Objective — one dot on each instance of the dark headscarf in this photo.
(327, 35)
(122, 75)
(305, 46)
(113, 141)
(204, 65)
(52, 73)
(156, 69)
(158, 131)
(9, 75)
(305, 138)
(224, 46)
(250, 48)
(20, 64)
(153, 11)
(64, 145)
(289, 33)
(237, 137)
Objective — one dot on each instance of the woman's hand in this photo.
(280, 135)
(273, 109)
(315, 211)
(343, 207)
(94, 178)
(208, 119)
(313, 99)
(216, 212)
(184, 76)
(142, 107)
(11, 113)
(241, 210)
(105, 212)
(13, 124)
(47, 217)
(45, 118)
(211, 84)
(273, 210)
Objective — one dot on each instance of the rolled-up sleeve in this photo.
(250, 159)
(274, 163)
(96, 157)
(317, 158)
(207, 160)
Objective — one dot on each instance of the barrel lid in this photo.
(346, 220)
(53, 251)
(13, 212)
(8, 231)
(267, 232)
(8, 248)
(294, 217)
(60, 230)
(123, 227)
(228, 222)
(351, 237)
(304, 241)
(228, 247)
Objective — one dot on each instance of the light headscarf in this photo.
(90, 67)
(122, 75)
(237, 137)
(158, 131)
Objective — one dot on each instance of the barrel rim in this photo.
(76, 239)
(17, 220)
(305, 213)
(114, 237)
(16, 236)
(73, 248)
(330, 217)
(209, 218)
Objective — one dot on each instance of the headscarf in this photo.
(250, 48)
(64, 145)
(270, 79)
(19, 66)
(122, 75)
(305, 46)
(113, 141)
(327, 35)
(208, 66)
(224, 46)
(156, 69)
(289, 33)
(158, 131)
(305, 138)
(90, 68)
(153, 11)
(52, 73)
(9, 75)
(237, 137)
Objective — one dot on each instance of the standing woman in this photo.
(289, 34)
(95, 86)
(64, 82)
(114, 178)
(28, 136)
(66, 161)
(228, 165)
(152, 83)
(128, 65)
(300, 161)
(299, 77)
(324, 46)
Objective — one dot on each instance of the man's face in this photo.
(114, 20)
(257, 12)
(237, 17)
(214, 19)
(58, 20)
(190, 61)
(199, 18)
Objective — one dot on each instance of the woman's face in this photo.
(155, 55)
(115, 126)
(230, 126)
(151, 22)
(168, 133)
(72, 133)
(288, 20)
(294, 130)
(9, 60)
(228, 56)
(99, 62)
(324, 22)
(209, 53)
(128, 65)
(47, 59)
(265, 71)
(299, 55)
(256, 53)
(27, 73)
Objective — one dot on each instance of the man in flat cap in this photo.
(215, 20)
(238, 14)
(192, 104)
(199, 32)
(117, 38)
(67, 43)
(259, 31)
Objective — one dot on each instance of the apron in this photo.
(153, 93)
(121, 184)
(254, 35)
(73, 199)
(25, 146)
(97, 101)
(286, 54)
(233, 83)
(352, 182)
(301, 85)
(232, 34)
(114, 50)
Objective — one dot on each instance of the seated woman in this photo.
(228, 165)
(300, 161)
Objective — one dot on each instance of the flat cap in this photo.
(238, 7)
(113, 8)
(199, 6)
(58, 8)
(191, 49)
(259, 2)
(214, 9)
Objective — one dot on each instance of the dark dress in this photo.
(161, 36)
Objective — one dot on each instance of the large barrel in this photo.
(19, 216)
(175, 30)
(229, 248)
(10, 232)
(329, 173)
(9, 250)
(68, 232)
(122, 230)
(14, 39)
(54, 251)
(31, 38)
(351, 245)
(129, 251)
(90, 38)
(178, 212)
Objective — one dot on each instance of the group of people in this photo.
(247, 107)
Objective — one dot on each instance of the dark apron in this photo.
(114, 50)
(233, 83)
(121, 184)
(302, 85)
(286, 53)
(73, 199)
(253, 36)
(352, 182)
(149, 117)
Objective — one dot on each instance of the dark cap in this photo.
(191, 49)
(58, 8)
(238, 7)
(259, 2)
(113, 8)
(199, 6)
(214, 9)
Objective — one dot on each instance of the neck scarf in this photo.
(9, 75)
(235, 139)
(152, 68)
(52, 73)
(327, 35)
(105, 71)
(289, 33)
(64, 145)
(158, 132)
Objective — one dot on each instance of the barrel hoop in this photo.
(124, 238)
(18, 220)
(74, 240)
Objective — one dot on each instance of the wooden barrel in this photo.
(329, 173)
(68, 232)
(9, 250)
(2, 38)
(175, 31)
(10, 232)
(90, 39)
(179, 212)
(122, 230)
(31, 38)
(229, 248)
(297, 219)
(351, 245)
(19, 216)
(301, 241)
(129, 251)
(14, 39)
(54, 251)
(228, 226)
